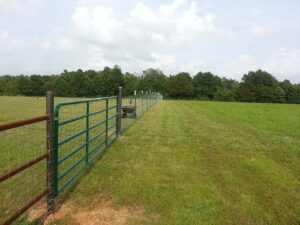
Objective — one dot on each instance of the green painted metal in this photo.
(106, 124)
(69, 165)
(56, 115)
(135, 104)
(87, 136)
(92, 139)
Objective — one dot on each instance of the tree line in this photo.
(255, 86)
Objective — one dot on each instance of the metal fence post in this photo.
(135, 104)
(87, 134)
(106, 124)
(50, 150)
(119, 115)
(142, 102)
(146, 100)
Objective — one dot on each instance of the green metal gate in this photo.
(83, 131)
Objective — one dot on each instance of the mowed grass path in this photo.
(192, 162)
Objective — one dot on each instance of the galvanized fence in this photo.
(46, 154)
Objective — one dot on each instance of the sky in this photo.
(227, 37)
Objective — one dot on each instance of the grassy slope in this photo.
(194, 162)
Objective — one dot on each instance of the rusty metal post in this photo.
(50, 151)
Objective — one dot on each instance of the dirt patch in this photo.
(39, 212)
(60, 212)
(103, 214)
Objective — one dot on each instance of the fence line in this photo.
(142, 102)
(77, 133)
(10, 176)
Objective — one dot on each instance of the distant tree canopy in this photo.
(258, 86)
(180, 86)
(206, 85)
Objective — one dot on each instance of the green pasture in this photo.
(23, 144)
(193, 162)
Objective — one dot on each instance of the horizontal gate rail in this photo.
(96, 146)
(74, 151)
(7, 126)
(83, 151)
(65, 172)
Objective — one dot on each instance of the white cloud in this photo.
(95, 24)
(179, 36)
(146, 37)
(284, 63)
(235, 68)
(3, 35)
(13, 5)
(258, 30)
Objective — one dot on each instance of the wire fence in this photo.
(141, 102)
(41, 157)
(23, 168)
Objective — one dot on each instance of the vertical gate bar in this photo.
(151, 98)
(87, 139)
(119, 109)
(50, 151)
(135, 104)
(106, 124)
(142, 102)
(146, 97)
(56, 127)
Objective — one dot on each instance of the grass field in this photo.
(189, 162)
(193, 162)
(19, 146)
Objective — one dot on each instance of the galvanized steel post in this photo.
(50, 150)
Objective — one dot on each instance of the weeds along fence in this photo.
(42, 156)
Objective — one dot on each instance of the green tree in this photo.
(291, 92)
(36, 87)
(130, 84)
(180, 86)
(227, 90)
(206, 85)
(153, 80)
(259, 86)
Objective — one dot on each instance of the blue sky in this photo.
(228, 38)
